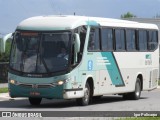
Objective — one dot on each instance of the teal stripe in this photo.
(113, 69)
(93, 23)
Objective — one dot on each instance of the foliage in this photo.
(4, 57)
(128, 15)
(3, 90)
(140, 118)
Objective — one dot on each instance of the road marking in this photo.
(77, 118)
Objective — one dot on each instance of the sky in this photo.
(12, 12)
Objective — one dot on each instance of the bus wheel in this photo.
(136, 94)
(35, 101)
(86, 98)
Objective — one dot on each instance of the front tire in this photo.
(35, 101)
(86, 98)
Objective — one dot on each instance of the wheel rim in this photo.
(138, 89)
(86, 94)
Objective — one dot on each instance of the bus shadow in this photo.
(111, 99)
(72, 103)
(56, 103)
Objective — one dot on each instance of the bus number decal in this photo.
(148, 59)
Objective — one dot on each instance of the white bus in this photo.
(78, 57)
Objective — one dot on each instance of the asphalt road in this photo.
(150, 101)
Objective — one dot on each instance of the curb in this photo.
(5, 97)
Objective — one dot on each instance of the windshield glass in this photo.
(34, 52)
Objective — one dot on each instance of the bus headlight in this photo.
(61, 82)
(13, 82)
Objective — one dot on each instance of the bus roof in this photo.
(66, 22)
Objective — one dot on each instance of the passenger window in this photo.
(142, 41)
(120, 39)
(107, 39)
(153, 40)
(93, 44)
(131, 40)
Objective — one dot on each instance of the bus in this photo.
(80, 57)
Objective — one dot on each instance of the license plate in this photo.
(34, 93)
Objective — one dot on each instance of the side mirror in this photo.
(3, 42)
(76, 46)
(77, 43)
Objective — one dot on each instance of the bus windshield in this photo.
(34, 52)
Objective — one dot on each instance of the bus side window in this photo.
(107, 39)
(131, 40)
(83, 31)
(153, 40)
(93, 44)
(120, 39)
(142, 40)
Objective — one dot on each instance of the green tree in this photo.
(128, 15)
(4, 57)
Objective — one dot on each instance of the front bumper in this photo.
(56, 92)
(73, 93)
(43, 92)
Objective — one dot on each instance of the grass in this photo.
(140, 118)
(3, 90)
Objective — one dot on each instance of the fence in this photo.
(3, 72)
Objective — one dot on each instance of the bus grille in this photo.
(37, 85)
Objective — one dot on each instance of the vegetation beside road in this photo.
(140, 118)
(4, 57)
(3, 90)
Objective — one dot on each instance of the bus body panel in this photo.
(26, 87)
(106, 79)
(47, 87)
